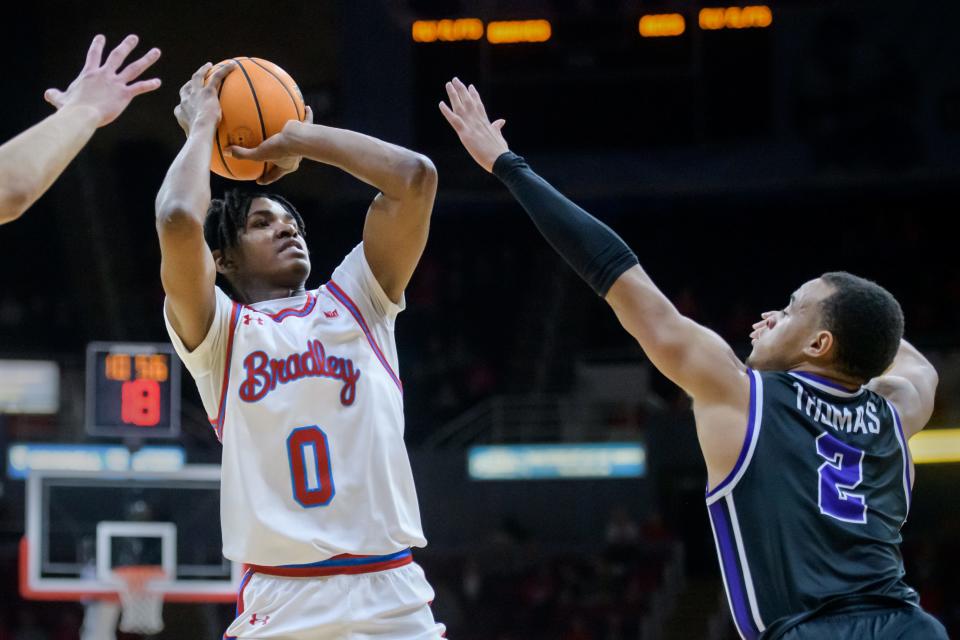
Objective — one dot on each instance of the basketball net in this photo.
(142, 606)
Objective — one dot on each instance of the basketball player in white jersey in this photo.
(33, 160)
(301, 386)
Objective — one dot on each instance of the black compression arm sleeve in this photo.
(595, 252)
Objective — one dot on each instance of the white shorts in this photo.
(394, 603)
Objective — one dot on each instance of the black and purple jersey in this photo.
(812, 510)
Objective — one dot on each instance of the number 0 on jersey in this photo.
(310, 472)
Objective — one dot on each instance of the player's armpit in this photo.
(913, 402)
(911, 385)
(693, 357)
(721, 432)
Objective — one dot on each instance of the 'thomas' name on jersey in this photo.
(304, 395)
(860, 418)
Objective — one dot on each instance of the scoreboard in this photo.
(133, 390)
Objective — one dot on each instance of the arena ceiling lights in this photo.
(656, 25)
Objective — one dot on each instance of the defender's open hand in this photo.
(481, 138)
(105, 87)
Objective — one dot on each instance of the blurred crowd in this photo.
(516, 586)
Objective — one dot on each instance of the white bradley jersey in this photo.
(304, 396)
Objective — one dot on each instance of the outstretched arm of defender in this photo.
(30, 162)
(911, 385)
(398, 220)
(187, 268)
(690, 355)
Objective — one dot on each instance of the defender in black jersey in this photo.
(809, 475)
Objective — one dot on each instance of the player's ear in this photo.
(222, 261)
(820, 346)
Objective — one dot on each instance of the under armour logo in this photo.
(261, 621)
(332, 314)
(247, 318)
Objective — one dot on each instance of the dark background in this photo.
(737, 164)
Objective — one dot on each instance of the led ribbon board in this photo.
(557, 461)
(24, 458)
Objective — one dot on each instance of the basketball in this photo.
(256, 99)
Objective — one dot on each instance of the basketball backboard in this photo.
(81, 526)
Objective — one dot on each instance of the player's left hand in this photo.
(105, 87)
(276, 150)
(482, 139)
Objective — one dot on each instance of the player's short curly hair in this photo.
(227, 217)
(866, 321)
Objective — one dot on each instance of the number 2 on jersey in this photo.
(841, 473)
(310, 471)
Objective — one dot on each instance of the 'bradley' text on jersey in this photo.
(863, 418)
(263, 373)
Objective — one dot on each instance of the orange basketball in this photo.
(256, 99)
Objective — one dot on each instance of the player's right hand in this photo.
(466, 114)
(276, 150)
(106, 88)
(200, 103)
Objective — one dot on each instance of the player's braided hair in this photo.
(866, 321)
(227, 218)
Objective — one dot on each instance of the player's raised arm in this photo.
(693, 357)
(187, 267)
(910, 384)
(398, 220)
(30, 162)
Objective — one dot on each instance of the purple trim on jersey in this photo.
(239, 610)
(747, 438)
(733, 576)
(243, 585)
(283, 314)
(905, 451)
(351, 561)
(824, 381)
(222, 413)
(354, 310)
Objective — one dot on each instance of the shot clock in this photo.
(133, 390)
